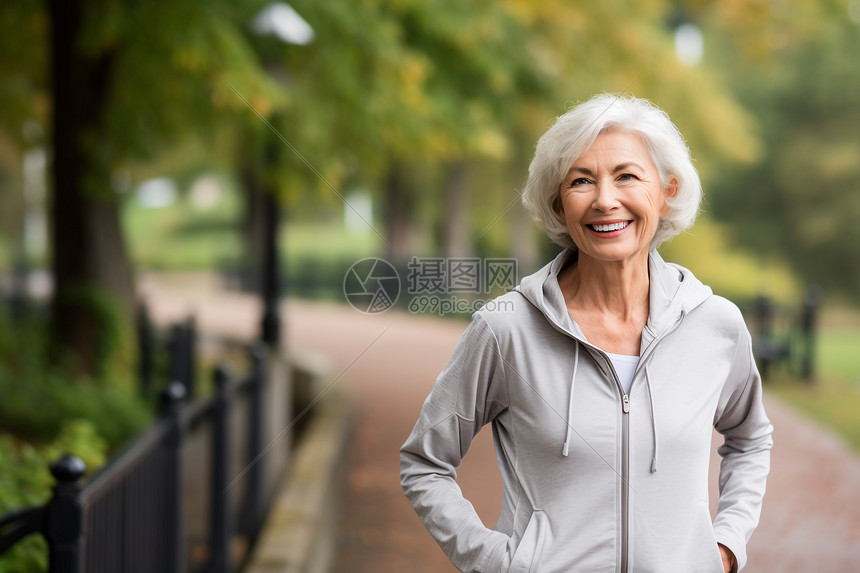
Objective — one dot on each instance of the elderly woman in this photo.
(605, 381)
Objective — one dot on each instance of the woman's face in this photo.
(612, 198)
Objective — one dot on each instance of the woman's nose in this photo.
(606, 197)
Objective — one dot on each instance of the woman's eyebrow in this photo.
(619, 167)
(629, 164)
(584, 170)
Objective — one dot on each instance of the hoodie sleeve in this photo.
(469, 392)
(745, 453)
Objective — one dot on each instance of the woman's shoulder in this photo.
(720, 312)
(509, 312)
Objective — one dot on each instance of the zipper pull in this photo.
(625, 403)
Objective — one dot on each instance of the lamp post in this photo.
(280, 21)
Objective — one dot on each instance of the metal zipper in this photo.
(625, 463)
(625, 477)
(625, 444)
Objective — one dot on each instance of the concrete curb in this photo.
(300, 532)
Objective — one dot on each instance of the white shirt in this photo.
(625, 366)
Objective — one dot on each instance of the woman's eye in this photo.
(627, 177)
(579, 181)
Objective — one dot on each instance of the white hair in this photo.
(573, 134)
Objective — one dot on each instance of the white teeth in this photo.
(612, 227)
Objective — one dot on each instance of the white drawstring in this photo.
(653, 420)
(566, 447)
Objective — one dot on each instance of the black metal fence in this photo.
(166, 355)
(187, 495)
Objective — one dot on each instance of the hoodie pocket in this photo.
(716, 557)
(526, 557)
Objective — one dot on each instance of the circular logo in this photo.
(371, 285)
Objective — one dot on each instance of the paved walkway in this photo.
(388, 362)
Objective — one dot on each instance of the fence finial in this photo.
(171, 396)
(68, 469)
(65, 516)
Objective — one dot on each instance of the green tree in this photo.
(800, 201)
(394, 91)
(124, 80)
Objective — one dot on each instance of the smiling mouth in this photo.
(610, 227)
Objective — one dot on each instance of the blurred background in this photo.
(149, 141)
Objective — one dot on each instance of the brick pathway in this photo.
(811, 518)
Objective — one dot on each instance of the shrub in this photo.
(46, 412)
(39, 397)
(25, 481)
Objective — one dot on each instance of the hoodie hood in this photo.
(674, 292)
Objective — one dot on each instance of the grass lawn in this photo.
(182, 237)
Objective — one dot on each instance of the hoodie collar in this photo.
(674, 291)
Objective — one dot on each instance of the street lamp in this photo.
(280, 21)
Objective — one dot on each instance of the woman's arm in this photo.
(468, 394)
(742, 421)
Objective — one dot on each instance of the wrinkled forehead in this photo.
(612, 144)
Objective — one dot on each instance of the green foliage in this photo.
(167, 65)
(38, 399)
(733, 271)
(801, 200)
(170, 77)
(46, 412)
(436, 80)
(23, 65)
(25, 481)
(37, 404)
(110, 324)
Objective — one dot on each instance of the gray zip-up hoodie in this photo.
(596, 480)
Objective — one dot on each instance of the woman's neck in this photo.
(619, 288)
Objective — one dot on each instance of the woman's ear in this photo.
(671, 189)
(669, 193)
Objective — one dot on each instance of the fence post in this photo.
(190, 364)
(811, 302)
(221, 526)
(171, 409)
(146, 359)
(253, 510)
(175, 353)
(764, 319)
(66, 516)
(181, 347)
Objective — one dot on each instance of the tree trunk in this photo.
(93, 284)
(399, 206)
(455, 213)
